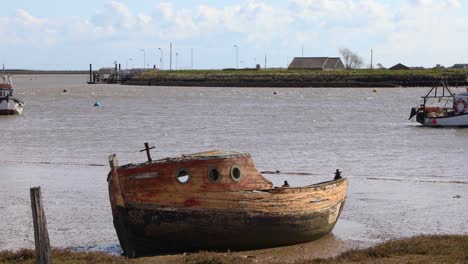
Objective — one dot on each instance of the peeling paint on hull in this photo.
(188, 230)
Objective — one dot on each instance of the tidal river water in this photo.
(404, 179)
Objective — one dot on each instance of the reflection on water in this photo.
(402, 177)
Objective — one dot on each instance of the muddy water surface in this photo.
(403, 179)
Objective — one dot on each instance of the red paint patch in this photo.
(434, 122)
(191, 202)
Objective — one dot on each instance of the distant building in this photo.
(399, 66)
(460, 66)
(316, 63)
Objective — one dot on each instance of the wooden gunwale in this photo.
(280, 200)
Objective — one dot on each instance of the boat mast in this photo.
(435, 93)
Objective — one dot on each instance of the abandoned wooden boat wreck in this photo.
(215, 200)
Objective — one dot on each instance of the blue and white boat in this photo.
(442, 108)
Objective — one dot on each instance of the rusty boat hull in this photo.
(154, 213)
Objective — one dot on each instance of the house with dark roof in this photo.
(399, 66)
(316, 63)
(460, 66)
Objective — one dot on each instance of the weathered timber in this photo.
(41, 235)
(154, 212)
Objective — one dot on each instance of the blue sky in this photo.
(71, 34)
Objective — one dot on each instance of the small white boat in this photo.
(442, 108)
(8, 104)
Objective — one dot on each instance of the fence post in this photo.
(41, 235)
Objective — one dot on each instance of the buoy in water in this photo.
(64, 91)
(375, 90)
(97, 104)
(275, 92)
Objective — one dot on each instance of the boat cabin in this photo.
(5, 86)
(6, 92)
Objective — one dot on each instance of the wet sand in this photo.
(328, 246)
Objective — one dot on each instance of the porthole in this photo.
(236, 173)
(214, 175)
(183, 176)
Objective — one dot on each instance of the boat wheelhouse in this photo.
(8, 104)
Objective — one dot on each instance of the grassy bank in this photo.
(300, 78)
(420, 249)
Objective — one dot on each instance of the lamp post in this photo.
(176, 56)
(144, 58)
(191, 58)
(161, 59)
(237, 56)
(130, 59)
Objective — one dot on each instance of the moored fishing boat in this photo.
(8, 104)
(215, 200)
(441, 107)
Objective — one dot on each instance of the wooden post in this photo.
(41, 235)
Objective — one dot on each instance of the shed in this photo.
(316, 63)
(399, 66)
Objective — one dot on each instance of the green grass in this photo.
(27, 256)
(419, 249)
(285, 72)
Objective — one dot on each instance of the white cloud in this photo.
(116, 16)
(425, 35)
(25, 18)
(144, 19)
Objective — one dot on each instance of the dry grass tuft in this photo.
(27, 256)
(419, 249)
(213, 258)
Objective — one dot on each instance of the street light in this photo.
(144, 58)
(237, 56)
(176, 56)
(130, 59)
(161, 59)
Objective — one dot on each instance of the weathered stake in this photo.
(41, 235)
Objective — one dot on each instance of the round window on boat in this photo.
(183, 176)
(236, 173)
(214, 175)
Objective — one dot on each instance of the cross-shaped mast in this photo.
(147, 149)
